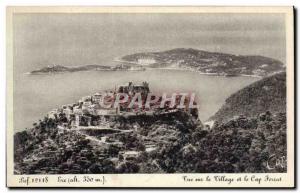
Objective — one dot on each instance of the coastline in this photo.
(145, 67)
(184, 69)
(92, 70)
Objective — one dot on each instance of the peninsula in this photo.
(64, 69)
(210, 63)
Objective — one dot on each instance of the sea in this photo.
(36, 95)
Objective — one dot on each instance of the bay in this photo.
(35, 95)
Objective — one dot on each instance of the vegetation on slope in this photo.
(268, 94)
(210, 62)
(239, 145)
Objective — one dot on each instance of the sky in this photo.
(77, 39)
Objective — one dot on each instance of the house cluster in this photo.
(92, 111)
(146, 61)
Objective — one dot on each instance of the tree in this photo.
(128, 167)
(113, 150)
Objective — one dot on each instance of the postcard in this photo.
(150, 97)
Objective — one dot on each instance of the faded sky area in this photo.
(78, 39)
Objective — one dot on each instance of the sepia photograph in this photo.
(150, 97)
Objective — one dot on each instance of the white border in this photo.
(4, 3)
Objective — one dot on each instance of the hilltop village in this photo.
(116, 133)
(83, 138)
(91, 111)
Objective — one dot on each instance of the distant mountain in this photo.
(63, 69)
(268, 94)
(208, 62)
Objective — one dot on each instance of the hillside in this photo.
(207, 62)
(268, 94)
(48, 148)
(181, 146)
